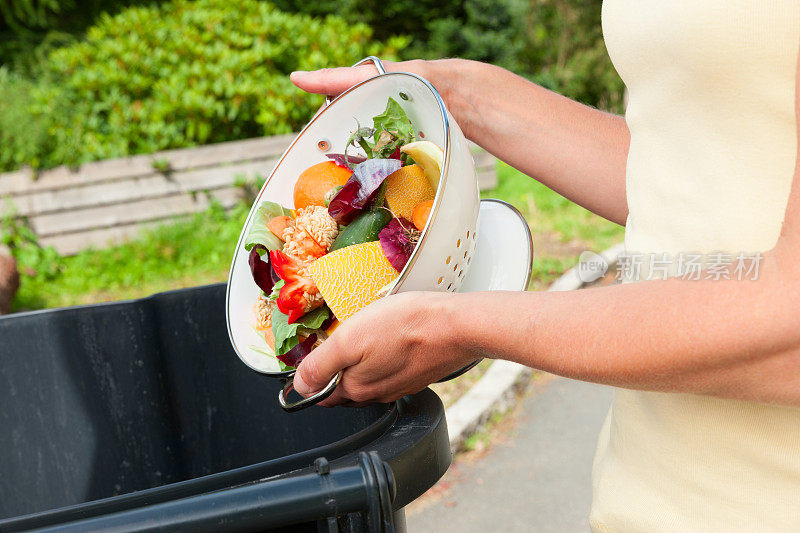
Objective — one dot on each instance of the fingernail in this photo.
(299, 385)
(298, 74)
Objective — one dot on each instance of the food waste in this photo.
(355, 222)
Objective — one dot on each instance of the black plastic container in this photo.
(139, 416)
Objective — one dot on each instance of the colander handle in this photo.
(314, 399)
(375, 61)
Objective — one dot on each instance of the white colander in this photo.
(442, 260)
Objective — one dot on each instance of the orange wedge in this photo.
(406, 188)
(427, 155)
(349, 278)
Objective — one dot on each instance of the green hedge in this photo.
(179, 74)
(556, 43)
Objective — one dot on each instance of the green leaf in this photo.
(276, 289)
(394, 121)
(287, 335)
(269, 353)
(259, 234)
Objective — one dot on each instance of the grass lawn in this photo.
(561, 229)
(198, 251)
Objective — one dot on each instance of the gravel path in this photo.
(534, 475)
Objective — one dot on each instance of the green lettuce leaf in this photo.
(276, 289)
(392, 130)
(287, 336)
(269, 353)
(259, 234)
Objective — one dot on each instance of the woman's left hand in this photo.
(394, 347)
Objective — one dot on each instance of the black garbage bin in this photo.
(139, 416)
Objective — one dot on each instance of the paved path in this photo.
(533, 478)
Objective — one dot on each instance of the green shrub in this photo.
(557, 43)
(180, 74)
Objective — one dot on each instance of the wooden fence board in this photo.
(110, 201)
(74, 242)
(121, 214)
(140, 165)
(137, 188)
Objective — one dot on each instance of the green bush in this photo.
(30, 26)
(556, 43)
(180, 74)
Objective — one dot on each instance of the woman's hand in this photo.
(394, 347)
(332, 81)
(579, 151)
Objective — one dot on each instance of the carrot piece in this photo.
(332, 327)
(269, 337)
(278, 224)
(421, 213)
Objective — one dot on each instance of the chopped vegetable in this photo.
(348, 238)
(259, 232)
(398, 240)
(421, 213)
(293, 357)
(277, 225)
(364, 228)
(299, 295)
(261, 270)
(392, 130)
(356, 194)
(347, 161)
(287, 334)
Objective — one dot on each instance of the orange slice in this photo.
(406, 188)
(429, 156)
(349, 278)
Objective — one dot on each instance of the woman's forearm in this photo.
(574, 149)
(733, 339)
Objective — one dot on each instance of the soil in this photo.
(9, 280)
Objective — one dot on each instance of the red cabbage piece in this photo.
(396, 242)
(360, 189)
(346, 160)
(299, 352)
(263, 273)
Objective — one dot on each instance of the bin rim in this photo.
(272, 468)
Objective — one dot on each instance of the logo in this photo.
(591, 267)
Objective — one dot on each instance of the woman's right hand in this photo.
(332, 81)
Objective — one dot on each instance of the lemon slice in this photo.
(429, 157)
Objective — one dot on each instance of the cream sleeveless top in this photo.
(713, 148)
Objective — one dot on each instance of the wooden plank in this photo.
(115, 192)
(138, 188)
(117, 215)
(15, 206)
(142, 165)
(220, 176)
(72, 243)
(17, 180)
(228, 152)
(487, 180)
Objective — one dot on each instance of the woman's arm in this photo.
(728, 338)
(574, 149)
